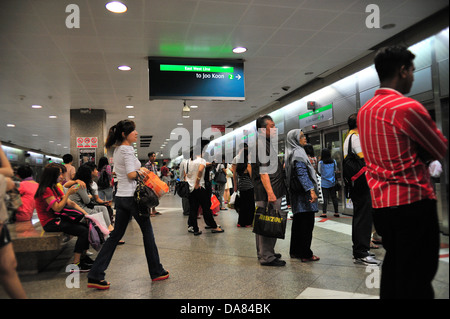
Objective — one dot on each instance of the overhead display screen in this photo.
(196, 79)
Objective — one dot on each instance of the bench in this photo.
(35, 248)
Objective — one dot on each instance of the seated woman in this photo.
(50, 199)
(84, 195)
(27, 190)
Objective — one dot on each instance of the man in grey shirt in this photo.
(268, 180)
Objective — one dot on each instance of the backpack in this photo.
(104, 181)
(95, 235)
(145, 198)
(354, 167)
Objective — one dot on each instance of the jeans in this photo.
(125, 208)
(329, 192)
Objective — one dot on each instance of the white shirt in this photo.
(193, 167)
(125, 162)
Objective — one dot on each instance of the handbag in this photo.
(220, 177)
(145, 197)
(353, 168)
(268, 222)
(182, 187)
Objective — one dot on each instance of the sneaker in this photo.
(191, 229)
(162, 277)
(80, 267)
(368, 260)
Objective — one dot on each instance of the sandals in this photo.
(313, 258)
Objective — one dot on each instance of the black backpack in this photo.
(354, 168)
(104, 181)
(145, 198)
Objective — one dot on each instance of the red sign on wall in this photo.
(87, 142)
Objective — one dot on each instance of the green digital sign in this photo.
(196, 68)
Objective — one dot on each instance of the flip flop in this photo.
(313, 258)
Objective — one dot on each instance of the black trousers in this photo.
(409, 266)
(362, 218)
(246, 207)
(200, 197)
(80, 230)
(301, 235)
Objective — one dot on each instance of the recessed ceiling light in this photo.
(52, 117)
(35, 106)
(34, 135)
(11, 125)
(124, 68)
(131, 116)
(130, 106)
(179, 124)
(193, 106)
(388, 26)
(239, 50)
(116, 7)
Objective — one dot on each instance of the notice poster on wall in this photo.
(87, 142)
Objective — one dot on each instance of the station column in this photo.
(88, 134)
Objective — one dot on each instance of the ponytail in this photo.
(115, 132)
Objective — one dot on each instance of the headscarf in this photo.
(295, 152)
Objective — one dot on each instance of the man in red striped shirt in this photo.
(398, 139)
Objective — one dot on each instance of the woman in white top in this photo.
(199, 196)
(126, 167)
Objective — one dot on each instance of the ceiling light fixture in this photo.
(130, 106)
(185, 111)
(52, 117)
(388, 26)
(124, 68)
(10, 125)
(131, 116)
(35, 106)
(194, 106)
(116, 7)
(239, 50)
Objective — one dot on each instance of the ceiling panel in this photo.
(44, 62)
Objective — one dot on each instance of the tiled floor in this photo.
(224, 266)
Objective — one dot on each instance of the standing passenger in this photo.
(398, 139)
(199, 196)
(269, 187)
(304, 199)
(126, 167)
(362, 203)
(327, 169)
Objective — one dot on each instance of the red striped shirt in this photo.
(392, 128)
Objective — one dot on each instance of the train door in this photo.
(333, 141)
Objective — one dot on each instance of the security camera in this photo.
(285, 88)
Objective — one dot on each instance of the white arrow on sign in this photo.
(238, 76)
